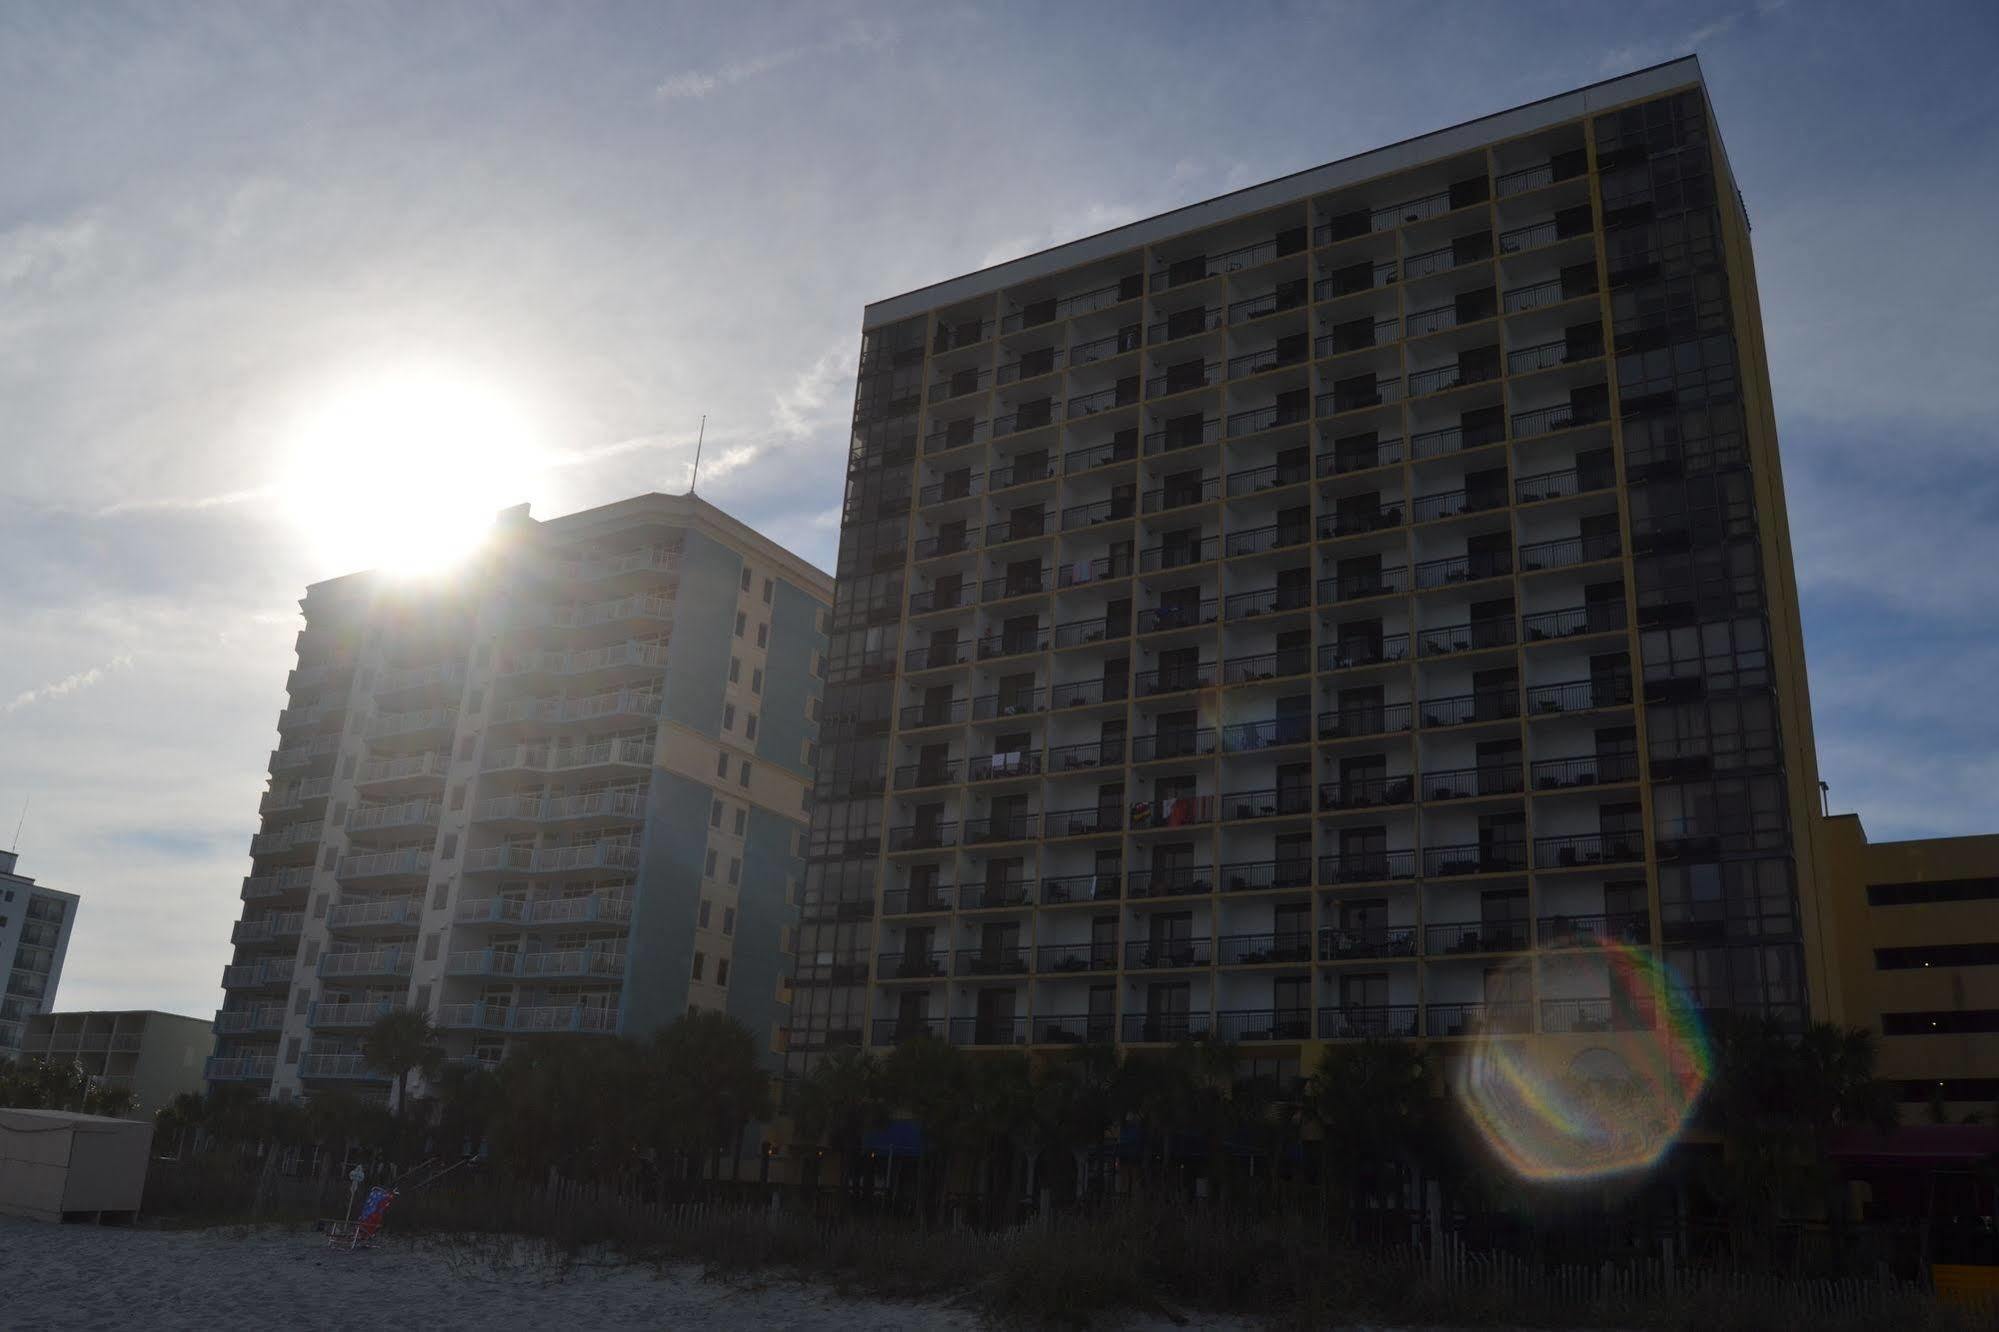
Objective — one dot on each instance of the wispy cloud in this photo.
(69, 684)
(187, 504)
(698, 83)
(49, 252)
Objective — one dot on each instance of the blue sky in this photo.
(628, 215)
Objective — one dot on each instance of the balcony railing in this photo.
(1063, 959)
(1179, 881)
(1345, 398)
(1003, 828)
(1443, 377)
(1250, 950)
(1177, 679)
(1102, 349)
(1571, 550)
(1087, 693)
(1270, 733)
(1359, 1022)
(1464, 568)
(920, 965)
(1456, 439)
(921, 837)
(1347, 867)
(1619, 927)
(1358, 454)
(1358, 586)
(1174, 437)
(958, 385)
(1358, 519)
(1350, 723)
(1347, 653)
(1079, 633)
(1577, 850)
(1579, 695)
(1487, 779)
(1267, 803)
(898, 1030)
(375, 962)
(1079, 573)
(956, 435)
(1360, 335)
(1270, 358)
(1441, 862)
(1259, 419)
(917, 901)
(1476, 937)
(1557, 485)
(1165, 1027)
(1353, 278)
(240, 1068)
(1185, 324)
(1511, 1018)
(1366, 792)
(1587, 770)
(1178, 554)
(385, 864)
(1251, 876)
(1338, 944)
(1264, 1024)
(994, 961)
(1100, 400)
(1021, 527)
(943, 772)
(1015, 642)
(919, 715)
(937, 656)
(1012, 703)
(1088, 821)
(1193, 742)
(1577, 1016)
(1276, 536)
(1179, 615)
(1268, 666)
(1096, 513)
(1560, 417)
(1075, 1029)
(1542, 294)
(1602, 618)
(1475, 636)
(1084, 887)
(988, 1030)
(1451, 503)
(950, 597)
(1032, 365)
(1180, 495)
(1161, 954)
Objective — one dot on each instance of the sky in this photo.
(227, 232)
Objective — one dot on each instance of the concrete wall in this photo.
(789, 683)
(661, 947)
(764, 912)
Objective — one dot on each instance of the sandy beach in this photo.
(92, 1277)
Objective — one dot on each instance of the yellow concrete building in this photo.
(1916, 925)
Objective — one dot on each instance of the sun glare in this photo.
(404, 473)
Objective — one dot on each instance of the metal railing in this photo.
(956, 435)
(1063, 888)
(1360, 1022)
(1346, 867)
(1464, 568)
(1346, 944)
(937, 656)
(918, 715)
(1181, 881)
(1267, 666)
(916, 901)
(1268, 803)
(1015, 642)
(1511, 1018)
(1580, 850)
(1165, 1027)
(1560, 554)
(1101, 455)
(1371, 650)
(1096, 512)
(1249, 876)
(1451, 503)
(941, 599)
(1001, 828)
(1593, 931)
(923, 837)
(1088, 693)
(1366, 792)
(1080, 633)
(1075, 1029)
(1174, 679)
(1561, 416)
(1249, 950)
(932, 773)
(1576, 1016)
(1476, 936)
(1358, 520)
(1487, 779)
(1102, 349)
(1185, 324)
(1172, 438)
(1358, 453)
(1350, 723)
(1579, 695)
(1344, 398)
(899, 1030)
(1475, 636)
(1456, 439)
(1012, 703)
(1163, 954)
(987, 1030)
(1264, 1024)
(1180, 615)
(1558, 485)
(913, 965)
(993, 961)
(1599, 618)
(1587, 770)
(1194, 742)
(1440, 862)
(1079, 572)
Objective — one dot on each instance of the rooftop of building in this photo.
(75, 1014)
(1298, 186)
(689, 510)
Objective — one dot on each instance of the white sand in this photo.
(108, 1277)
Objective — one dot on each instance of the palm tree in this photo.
(1077, 1101)
(708, 1087)
(924, 1078)
(837, 1104)
(1375, 1108)
(402, 1042)
(999, 1117)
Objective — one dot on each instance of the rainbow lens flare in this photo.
(1609, 1109)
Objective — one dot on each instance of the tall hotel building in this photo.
(35, 923)
(564, 792)
(1358, 605)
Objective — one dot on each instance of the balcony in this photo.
(1596, 931)
(986, 1030)
(923, 837)
(1581, 850)
(1088, 821)
(1456, 439)
(920, 715)
(1255, 950)
(1275, 536)
(949, 435)
(1172, 881)
(1350, 867)
(1440, 378)
(1563, 416)
(1442, 862)
(1081, 633)
(474, 1017)
(1272, 803)
(953, 542)
(916, 901)
(1337, 944)
(273, 974)
(268, 929)
(1513, 1018)
(1123, 447)
(1360, 519)
(564, 1017)
(570, 758)
(937, 656)
(645, 560)
(595, 962)
(1167, 954)
(1089, 693)
(419, 722)
(1356, 334)
(1367, 275)
(344, 1066)
(1260, 419)
(407, 816)
(1016, 642)
(493, 962)
(935, 773)
(298, 835)
(1177, 615)
(1177, 679)
(1369, 650)
(994, 961)
(1249, 876)
(1004, 828)
(1366, 793)
(1163, 1028)
(263, 1019)
(1562, 484)
(593, 909)
(1196, 742)
(1268, 666)
(1469, 568)
(1488, 779)
(1177, 435)
(1104, 348)
(1075, 1029)
(997, 767)
(380, 963)
(1178, 554)
(1608, 768)
(963, 382)
(1571, 550)
(920, 965)
(390, 915)
(1457, 503)
(1476, 936)
(294, 757)
(1365, 391)
(1570, 1017)
(349, 1015)
(240, 1068)
(950, 597)
(1359, 453)
(1573, 622)
(1071, 888)
(1540, 295)
(409, 863)
(1356, 723)
(419, 768)
(1012, 703)
(1367, 1022)
(1075, 958)
(1264, 1024)
(899, 1030)
(1477, 636)
(1579, 695)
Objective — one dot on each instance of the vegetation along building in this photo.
(564, 791)
(1358, 605)
(155, 1056)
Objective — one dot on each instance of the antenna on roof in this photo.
(18, 822)
(700, 435)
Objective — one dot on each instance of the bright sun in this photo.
(404, 472)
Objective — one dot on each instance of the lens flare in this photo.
(1610, 1109)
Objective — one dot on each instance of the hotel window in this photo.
(742, 623)
(746, 578)
(750, 727)
(701, 921)
(700, 965)
(763, 635)
(721, 971)
(768, 585)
